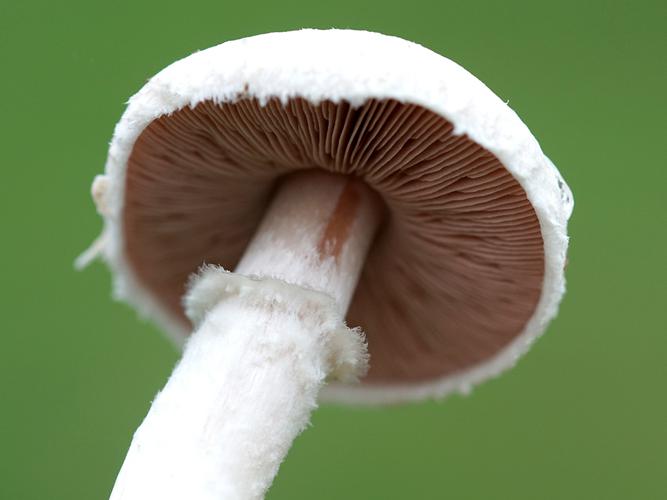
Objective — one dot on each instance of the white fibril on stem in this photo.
(266, 339)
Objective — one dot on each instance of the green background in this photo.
(583, 416)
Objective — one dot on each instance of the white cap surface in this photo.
(349, 66)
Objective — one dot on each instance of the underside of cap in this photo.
(468, 269)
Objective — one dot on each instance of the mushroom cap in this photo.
(468, 268)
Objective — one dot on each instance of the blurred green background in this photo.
(583, 416)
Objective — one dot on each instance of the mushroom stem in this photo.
(267, 338)
(316, 234)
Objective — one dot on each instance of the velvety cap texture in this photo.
(468, 266)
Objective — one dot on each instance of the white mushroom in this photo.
(313, 142)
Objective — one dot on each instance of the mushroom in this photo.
(344, 176)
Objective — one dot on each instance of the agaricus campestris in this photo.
(286, 157)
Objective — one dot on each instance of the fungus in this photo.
(346, 177)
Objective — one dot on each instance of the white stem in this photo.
(316, 234)
(264, 346)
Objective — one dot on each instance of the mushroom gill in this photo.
(452, 278)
